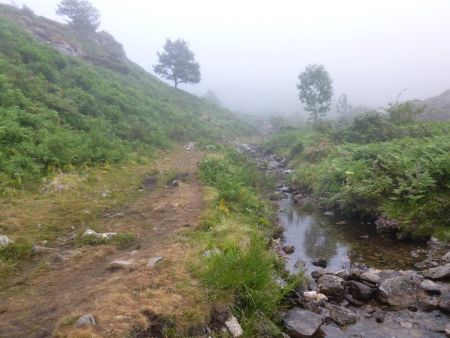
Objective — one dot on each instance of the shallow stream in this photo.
(342, 242)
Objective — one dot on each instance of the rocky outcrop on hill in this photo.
(435, 108)
(99, 48)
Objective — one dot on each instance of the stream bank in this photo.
(362, 283)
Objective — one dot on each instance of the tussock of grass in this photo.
(15, 251)
(121, 240)
(236, 265)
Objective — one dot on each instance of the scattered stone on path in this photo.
(233, 327)
(152, 262)
(121, 264)
(441, 272)
(341, 223)
(40, 250)
(4, 241)
(302, 323)
(100, 235)
(86, 320)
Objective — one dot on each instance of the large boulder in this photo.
(302, 323)
(359, 290)
(399, 291)
(441, 272)
(341, 315)
(332, 286)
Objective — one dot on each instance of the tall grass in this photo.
(237, 265)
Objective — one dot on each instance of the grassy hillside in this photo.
(58, 111)
(380, 165)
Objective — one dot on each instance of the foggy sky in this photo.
(251, 52)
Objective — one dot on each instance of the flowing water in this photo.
(343, 243)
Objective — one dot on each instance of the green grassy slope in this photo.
(59, 111)
(375, 167)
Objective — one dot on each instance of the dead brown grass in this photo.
(50, 299)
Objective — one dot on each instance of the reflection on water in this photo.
(315, 235)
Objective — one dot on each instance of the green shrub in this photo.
(15, 251)
(125, 241)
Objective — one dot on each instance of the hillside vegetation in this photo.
(92, 106)
(382, 165)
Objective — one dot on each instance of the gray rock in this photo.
(302, 323)
(430, 286)
(332, 286)
(344, 274)
(441, 272)
(360, 290)
(370, 277)
(341, 315)
(86, 320)
(385, 274)
(4, 241)
(444, 302)
(233, 327)
(428, 303)
(322, 262)
(316, 274)
(288, 249)
(152, 262)
(100, 235)
(329, 213)
(120, 264)
(446, 257)
(41, 250)
(399, 291)
(300, 264)
(447, 330)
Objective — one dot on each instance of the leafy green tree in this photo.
(343, 106)
(315, 90)
(84, 17)
(177, 63)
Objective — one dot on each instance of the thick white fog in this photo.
(251, 52)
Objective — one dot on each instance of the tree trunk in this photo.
(176, 83)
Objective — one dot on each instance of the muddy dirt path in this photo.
(78, 280)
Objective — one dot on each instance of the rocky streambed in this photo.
(361, 283)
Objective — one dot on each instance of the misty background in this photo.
(251, 52)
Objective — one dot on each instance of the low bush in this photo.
(382, 164)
